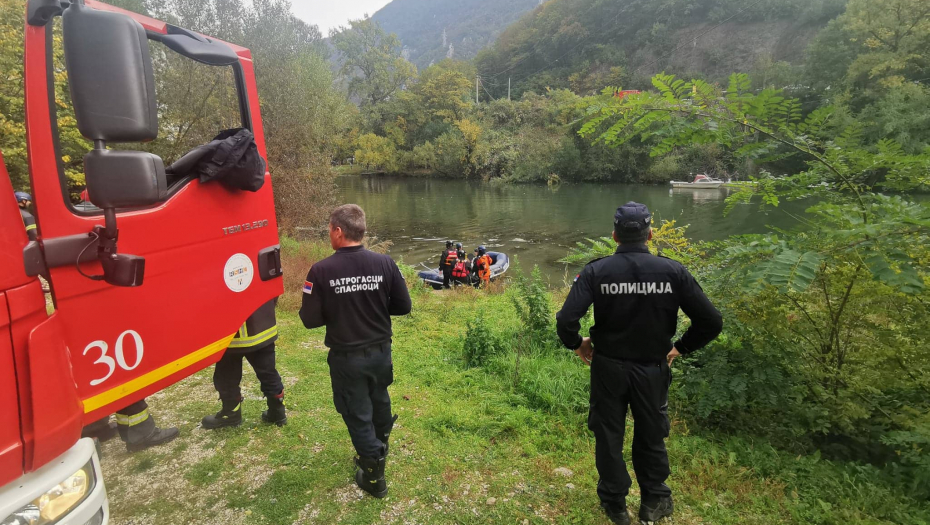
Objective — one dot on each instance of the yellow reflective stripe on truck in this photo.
(129, 387)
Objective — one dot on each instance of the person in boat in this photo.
(482, 266)
(447, 260)
(461, 272)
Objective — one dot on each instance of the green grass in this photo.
(474, 445)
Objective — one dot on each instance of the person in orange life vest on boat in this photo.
(447, 261)
(461, 271)
(482, 266)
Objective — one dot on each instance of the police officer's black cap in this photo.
(632, 217)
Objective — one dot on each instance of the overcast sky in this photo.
(329, 14)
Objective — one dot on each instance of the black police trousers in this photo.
(616, 385)
(360, 381)
(227, 375)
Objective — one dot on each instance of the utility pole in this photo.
(508, 89)
(477, 79)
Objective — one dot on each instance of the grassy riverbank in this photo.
(474, 445)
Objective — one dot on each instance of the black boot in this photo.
(275, 413)
(159, 437)
(102, 430)
(616, 513)
(370, 476)
(384, 433)
(228, 416)
(655, 509)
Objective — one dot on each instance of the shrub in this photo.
(296, 259)
(533, 307)
(480, 342)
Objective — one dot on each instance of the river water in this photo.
(535, 223)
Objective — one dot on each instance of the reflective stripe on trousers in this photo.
(133, 420)
(243, 340)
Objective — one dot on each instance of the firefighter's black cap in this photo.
(632, 217)
(448, 244)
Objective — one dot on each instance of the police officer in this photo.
(354, 293)
(636, 297)
(447, 262)
(255, 342)
(29, 221)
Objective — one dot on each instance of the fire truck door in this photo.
(209, 251)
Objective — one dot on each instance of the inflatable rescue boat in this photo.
(500, 264)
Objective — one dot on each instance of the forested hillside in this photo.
(584, 45)
(432, 30)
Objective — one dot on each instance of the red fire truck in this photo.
(148, 284)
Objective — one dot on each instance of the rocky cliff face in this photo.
(432, 30)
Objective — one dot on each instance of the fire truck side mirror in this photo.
(124, 179)
(110, 74)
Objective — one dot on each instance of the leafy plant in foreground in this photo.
(534, 308)
(480, 342)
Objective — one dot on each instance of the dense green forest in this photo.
(869, 59)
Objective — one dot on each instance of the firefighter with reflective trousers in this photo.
(255, 342)
(636, 297)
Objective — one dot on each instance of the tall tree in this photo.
(443, 89)
(895, 40)
(372, 61)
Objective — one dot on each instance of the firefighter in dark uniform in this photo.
(636, 297)
(255, 342)
(447, 262)
(354, 293)
(29, 221)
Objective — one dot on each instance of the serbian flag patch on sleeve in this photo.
(308, 287)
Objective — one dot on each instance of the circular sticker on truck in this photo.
(238, 272)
